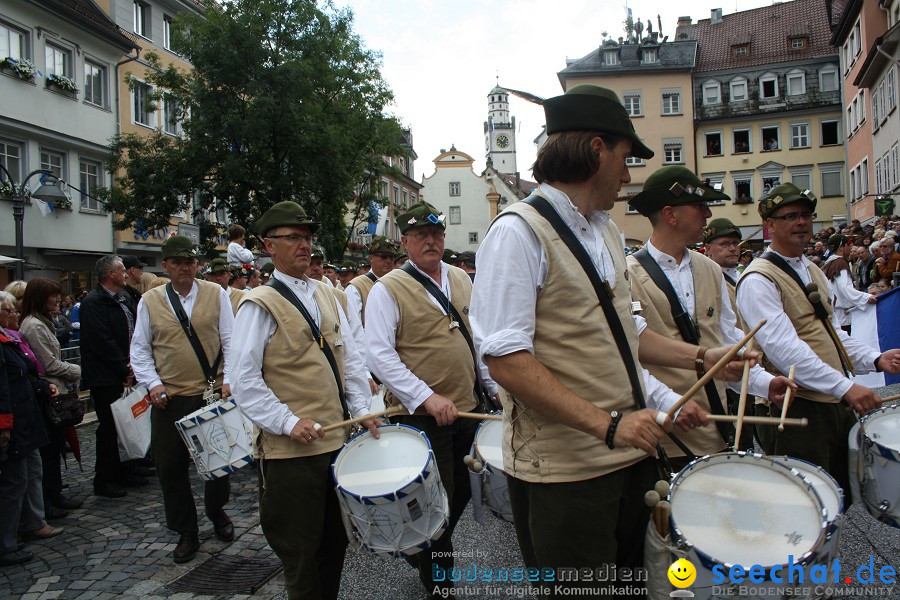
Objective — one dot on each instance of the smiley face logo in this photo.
(682, 573)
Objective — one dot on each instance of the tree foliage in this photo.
(284, 102)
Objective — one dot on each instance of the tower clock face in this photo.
(502, 141)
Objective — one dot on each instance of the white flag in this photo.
(45, 208)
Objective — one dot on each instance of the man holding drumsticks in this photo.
(798, 331)
(287, 333)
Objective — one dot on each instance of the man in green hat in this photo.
(449, 257)
(467, 263)
(180, 379)
(676, 201)
(237, 283)
(846, 298)
(217, 272)
(797, 332)
(416, 347)
(285, 384)
(346, 273)
(265, 272)
(723, 247)
(580, 442)
(315, 271)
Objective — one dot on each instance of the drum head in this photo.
(489, 443)
(369, 467)
(745, 509)
(826, 487)
(883, 426)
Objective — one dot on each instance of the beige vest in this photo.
(340, 296)
(732, 298)
(436, 354)
(235, 296)
(363, 285)
(573, 341)
(297, 372)
(176, 362)
(655, 309)
(800, 311)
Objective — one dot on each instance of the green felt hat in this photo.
(317, 253)
(179, 246)
(420, 214)
(782, 195)
(673, 186)
(719, 228)
(218, 265)
(381, 245)
(283, 214)
(268, 268)
(592, 108)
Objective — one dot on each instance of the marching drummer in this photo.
(179, 376)
(286, 332)
(774, 288)
(415, 318)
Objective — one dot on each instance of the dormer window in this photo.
(650, 56)
(741, 50)
(798, 42)
(610, 57)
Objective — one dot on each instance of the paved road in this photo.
(120, 548)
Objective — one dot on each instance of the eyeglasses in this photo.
(292, 238)
(795, 216)
(727, 244)
(420, 235)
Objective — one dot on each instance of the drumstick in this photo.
(787, 398)
(482, 416)
(751, 420)
(388, 412)
(742, 400)
(664, 509)
(890, 398)
(715, 369)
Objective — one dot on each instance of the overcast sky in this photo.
(442, 58)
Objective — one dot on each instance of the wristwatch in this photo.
(611, 430)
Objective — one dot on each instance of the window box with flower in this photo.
(20, 67)
(62, 84)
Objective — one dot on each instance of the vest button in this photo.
(535, 463)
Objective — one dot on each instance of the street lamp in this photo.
(48, 192)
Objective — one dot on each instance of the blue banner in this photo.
(889, 326)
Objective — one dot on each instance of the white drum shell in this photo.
(854, 464)
(218, 437)
(488, 449)
(880, 450)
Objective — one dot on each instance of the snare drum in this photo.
(854, 464)
(880, 449)
(747, 509)
(219, 439)
(488, 449)
(390, 492)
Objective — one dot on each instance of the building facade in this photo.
(500, 132)
(59, 119)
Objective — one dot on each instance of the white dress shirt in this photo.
(355, 308)
(382, 319)
(238, 255)
(253, 329)
(681, 276)
(512, 267)
(758, 298)
(732, 272)
(142, 362)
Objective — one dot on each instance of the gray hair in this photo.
(104, 265)
(7, 297)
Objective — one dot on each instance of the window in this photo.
(59, 61)
(90, 181)
(864, 177)
(633, 161)
(796, 83)
(770, 182)
(632, 103)
(94, 84)
(53, 162)
(741, 141)
(455, 215)
(714, 143)
(895, 169)
(742, 50)
(890, 97)
(768, 87)
(711, 93)
(857, 39)
(770, 139)
(716, 181)
(12, 43)
(851, 124)
(11, 159)
(830, 132)
(405, 198)
(828, 79)
(799, 135)
(167, 32)
(878, 182)
(611, 57)
(743, 189)
(738, 89)
(649, 56)
(854, 186)
(802, 179)
(875, 112)
(473, 237)
(671, 101)
(142, 18)
(860, 101)
(171, 122)
(141, 106)
(798, 43)
(454, 188)
(672, 151)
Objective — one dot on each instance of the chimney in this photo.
(684, 21)
(715, 16)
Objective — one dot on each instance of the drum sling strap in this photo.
(371, 276)
(482, 395)
(288, 295)
(818, 307)
(729, 279)
(609, 311)
(208, 371)
(689, 334)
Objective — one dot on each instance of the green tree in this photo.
(284, 103)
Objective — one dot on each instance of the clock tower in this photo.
(500, 132)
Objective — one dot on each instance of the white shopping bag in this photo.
(131, 413)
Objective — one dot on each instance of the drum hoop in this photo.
(887, 452)
(826, 476)
(707, 558)
(423, 475)
(487, 466)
